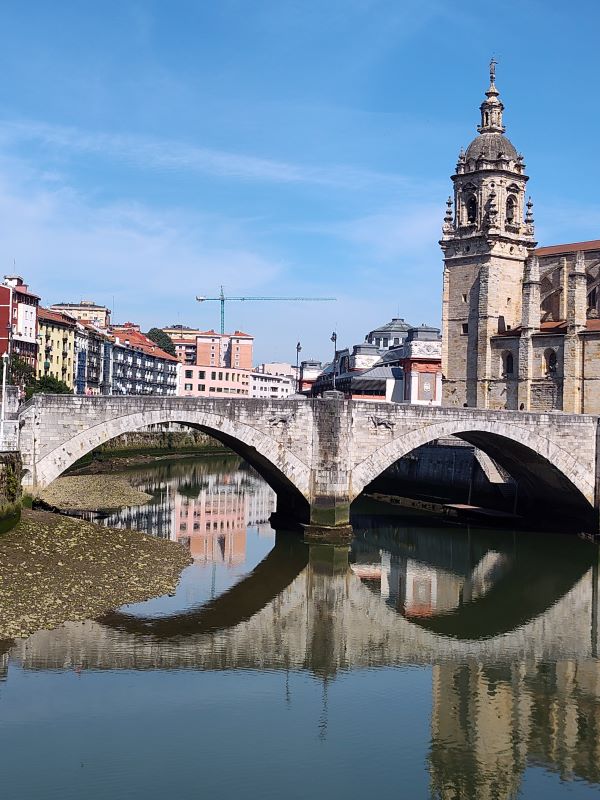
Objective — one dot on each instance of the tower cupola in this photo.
(492, 107)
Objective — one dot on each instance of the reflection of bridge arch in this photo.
(245, 599)
(518, 595)
(524, 593)
(540, 465)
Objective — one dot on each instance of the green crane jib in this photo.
(222, 299)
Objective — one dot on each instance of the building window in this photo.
(213, 376)
(465, 328)
(464, 298)
(396, 341)
(472, 209)
(550, 361)
(511, 208)
(201, 387)
(385, 342)
(188, 387)
(201, 375)
(189, 373)
(508, 366)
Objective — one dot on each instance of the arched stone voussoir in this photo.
(579, 475)
(286, 466)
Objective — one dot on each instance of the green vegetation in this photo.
(162, 339)
(20, 373)
(47, 385)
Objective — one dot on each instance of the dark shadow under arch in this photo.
(544, 491)
(543, 488)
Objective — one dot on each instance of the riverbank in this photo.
(55, 569)
(140, 447)
(92, 492)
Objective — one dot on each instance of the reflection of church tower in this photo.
(479, 731)
(486, 238)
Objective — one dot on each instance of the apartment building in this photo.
(202, 381)
(138, 365)
(86, 311)
(18, 320)
(56, 351)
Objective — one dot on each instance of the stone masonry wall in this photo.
(327, 451)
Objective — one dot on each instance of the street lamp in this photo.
(298, 348)
(3, 408)
(334, 340)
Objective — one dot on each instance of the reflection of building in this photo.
(213, 524)
(489, 722)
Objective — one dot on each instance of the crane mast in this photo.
(222, 299)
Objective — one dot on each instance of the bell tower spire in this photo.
(492, 107)
(487, 237)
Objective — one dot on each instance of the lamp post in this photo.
(3, 408)
(334, 340)
(298, 348)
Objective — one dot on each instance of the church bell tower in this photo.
(487, 237)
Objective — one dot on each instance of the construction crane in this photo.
(222, 299)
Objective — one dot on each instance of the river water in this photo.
(423, 661)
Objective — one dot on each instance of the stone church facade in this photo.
(521, 326)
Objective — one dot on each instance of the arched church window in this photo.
(508, 364)
(472, 209)
(511, 209)
(550, 361)
(593, 299)
(487, 118)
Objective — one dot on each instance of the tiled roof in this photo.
(553, 326)
(237, 334)
(575, 247)
(138, 341)
(45, 315)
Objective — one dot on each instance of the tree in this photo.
(162, 339)
(20, 373)
(47, 384)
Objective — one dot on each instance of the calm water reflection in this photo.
(421, 662)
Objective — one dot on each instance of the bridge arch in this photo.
(541, 466)
(287, 474)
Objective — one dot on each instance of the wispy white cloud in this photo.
(169, 155)
(152, 262)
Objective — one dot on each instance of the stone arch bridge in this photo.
(319, 454)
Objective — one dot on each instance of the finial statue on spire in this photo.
(493, 64)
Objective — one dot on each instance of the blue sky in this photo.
(150, 151)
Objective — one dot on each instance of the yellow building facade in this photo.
(56, 350)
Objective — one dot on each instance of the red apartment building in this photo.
(18, 319)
